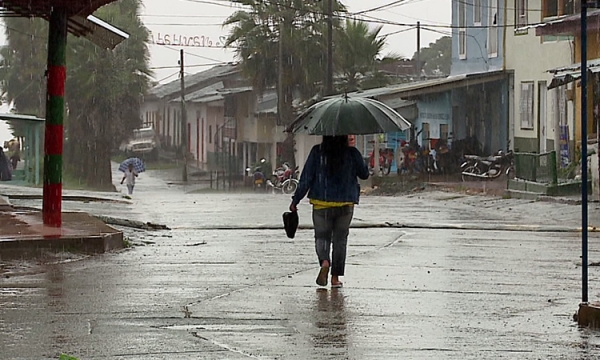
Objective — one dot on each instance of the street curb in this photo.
(589, 315)
(364, 225)
(80, 233)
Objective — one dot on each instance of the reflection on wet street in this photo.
(330, 320)
(193, 293)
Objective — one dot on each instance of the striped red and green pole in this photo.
(55, 107)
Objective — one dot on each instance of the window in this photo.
(477, 12)
(521, 13)
(526, 105)
(493, 29)
(554, 8)
(462, 31)
(550, 8)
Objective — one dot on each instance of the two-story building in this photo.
(229, 125)
(543, 117)
(478, 47)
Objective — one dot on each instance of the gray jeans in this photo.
(332, 226)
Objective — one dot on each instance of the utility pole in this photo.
(418, 50)
(184, 151)
(584, 168)
(280, 107)
(329, 76)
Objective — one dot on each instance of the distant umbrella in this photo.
(348, 116)
(138, 165)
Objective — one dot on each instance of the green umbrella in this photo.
(348, 116)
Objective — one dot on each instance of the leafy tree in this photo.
(22, 66)
(103, 89)
(437, 57)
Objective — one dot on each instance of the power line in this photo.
(187, 66)
(190, 54)
(170, 76)
(186, 16)
(377, 8)
(179, 24)
(397, 32)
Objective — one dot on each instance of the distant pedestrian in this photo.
(330, 179)
(129, 176)
(5, 168)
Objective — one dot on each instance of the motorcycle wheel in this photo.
(289, 186)
(471, 170)
(510, 173)
(385, 169)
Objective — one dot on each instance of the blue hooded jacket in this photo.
(341, 186)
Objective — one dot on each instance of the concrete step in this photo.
(527, 195)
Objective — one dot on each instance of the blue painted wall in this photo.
(477, 59)
(434, 109)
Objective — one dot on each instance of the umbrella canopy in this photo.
(138, 165)
(348, 116)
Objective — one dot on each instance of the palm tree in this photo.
(285, 37)
(280, 44)
(357, 53)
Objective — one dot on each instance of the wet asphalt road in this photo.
(192, 293)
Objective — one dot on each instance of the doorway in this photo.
(542, 112)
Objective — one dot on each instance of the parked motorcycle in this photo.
(259, 180)
(488, 168)
(386, 157)
(285, 179)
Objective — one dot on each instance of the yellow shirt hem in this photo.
(320, 204)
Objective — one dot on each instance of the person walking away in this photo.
(330, 179)
(129, 176)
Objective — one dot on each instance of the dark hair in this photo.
(334, 150)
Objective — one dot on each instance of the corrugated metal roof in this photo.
(18, 117)
(174, 87)
(97, 31)
(566, 74)
(575, 66)
(238, 90)
(431, 86)
(210, 90)
(43, 8)
(562, 24)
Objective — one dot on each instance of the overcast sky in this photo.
(203, 18)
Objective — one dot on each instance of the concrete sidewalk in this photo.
(23, 234)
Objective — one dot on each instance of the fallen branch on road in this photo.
(131, 223)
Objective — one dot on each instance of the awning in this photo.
(88, 26)
(419, 88)
(97, 31)
(565, 25)
(18, 123)
(566, 74)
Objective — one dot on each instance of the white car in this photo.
(144, 144)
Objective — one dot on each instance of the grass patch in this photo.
(67, 357)
(126, 243)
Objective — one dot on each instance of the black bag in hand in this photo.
(290, 223)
